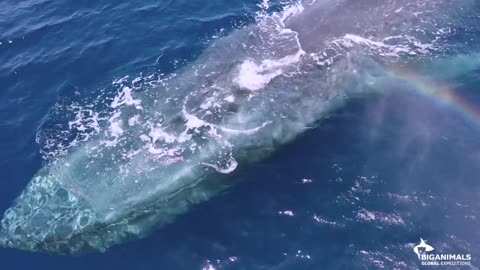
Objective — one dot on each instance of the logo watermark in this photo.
(428, 257)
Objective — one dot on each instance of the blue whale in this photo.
(184, 139)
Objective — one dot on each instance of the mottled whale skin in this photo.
(252, 92)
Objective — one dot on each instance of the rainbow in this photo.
(440, 92)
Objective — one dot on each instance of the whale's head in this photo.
(55, 216)
(48, 217)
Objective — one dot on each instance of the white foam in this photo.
(193, 121)
(322, 220)
(246, 131)
(229, 167)
(157, 133)
(134, 120)
(409, 46)
(290, 11)
(287, 213)
(120, 80)
(116, 125)
(230, 99)
(125, 98)
(253, 76)
(144, 138)
(115, 129)
(264, 5)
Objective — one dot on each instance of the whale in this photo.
(186, 138)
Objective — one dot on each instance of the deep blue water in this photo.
(356, 192)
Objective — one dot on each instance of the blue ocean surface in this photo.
(356, 190)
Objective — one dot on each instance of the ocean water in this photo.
(356, 190)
